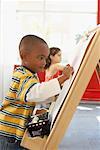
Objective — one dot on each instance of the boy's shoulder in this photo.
(20, 69)
(21, 72)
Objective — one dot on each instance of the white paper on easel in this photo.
(80, 52)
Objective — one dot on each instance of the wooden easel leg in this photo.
(53, 148)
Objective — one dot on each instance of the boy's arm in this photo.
(42, 91)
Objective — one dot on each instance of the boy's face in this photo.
(36, 59)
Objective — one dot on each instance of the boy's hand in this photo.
(68, 71)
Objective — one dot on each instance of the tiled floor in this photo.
(84, 130)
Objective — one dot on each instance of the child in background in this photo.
(25, 91)
(53, 66)
(53, 69)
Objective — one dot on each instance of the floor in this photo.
(84, 130)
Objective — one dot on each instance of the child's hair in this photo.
(28, 41)
(53, 52)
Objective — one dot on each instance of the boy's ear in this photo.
(22, 55)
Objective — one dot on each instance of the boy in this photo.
(25, 91)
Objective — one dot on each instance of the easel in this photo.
(71, 102)
(92, 92)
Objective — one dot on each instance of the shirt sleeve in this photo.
(42, 91)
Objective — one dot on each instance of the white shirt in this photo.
(41, 92)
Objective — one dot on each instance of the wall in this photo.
(7, 44)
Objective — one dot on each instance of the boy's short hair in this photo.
(28, 41)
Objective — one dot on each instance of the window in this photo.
(57, 21)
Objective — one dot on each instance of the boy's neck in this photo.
(29, 69)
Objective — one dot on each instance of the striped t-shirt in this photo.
(15, 110)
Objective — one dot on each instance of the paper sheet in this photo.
(76, 62)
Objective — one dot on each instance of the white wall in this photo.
(8, 45)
